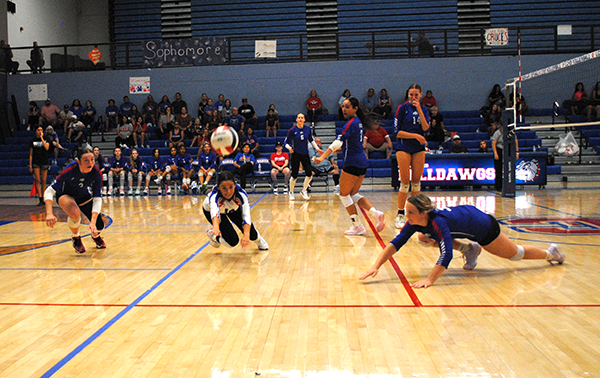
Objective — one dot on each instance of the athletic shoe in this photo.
(262, 244)
(336, 189)
(110, 192)
(146, 191)
(212, 239)
(122, 192)
(100, 244)
(556, 255)
(356, 230)
(291, 196)
(130, 191)
(379, 221)
(185, 189)
(137, 192)
(285, 189)
(304, 195)
(400, 221)
(159, 191)
(194, 185)
(78, 245)
(157, 181)
(471, 256)
(104, 191)
(275, 191)
(168, 190)
(41, 202)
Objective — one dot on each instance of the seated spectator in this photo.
(151, 111)
(125, 108)
(326, 166)
(314, 107)
(88, 117)
(214, 120)
(207, 164)
(580, 101)
(250, 140)
(176, 137)
(496, 97)
(244, 164)
(227, 109)
(521, 103)
(247, 111)
(135, 167)
(424, 46)
(185, 122)
(272, 122)
(437, 131)
(492, 120)
(346, 95)
(280, 166)
(55, 146)
(66, 118)
(165, 123)
(139, 132)
(134, 113)
(595, 103)
(220, 103)
(117, 168)
(197, 132)
(6, 62)
(236, 121)
(384, 105)
(156, 168)
(164, 103)
(76, 108)
(36, 59)
(428, 100)
(111, 112)
(483, 147)
(178, 104)
(76, 127)
(50, 114)
(208, 110)
(377, 139)
(272, 106)
(33, 116)
(457, 147)
(124, 137)
(368, 102)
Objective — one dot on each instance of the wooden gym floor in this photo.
(161, 302)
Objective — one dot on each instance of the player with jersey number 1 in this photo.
(355, 166)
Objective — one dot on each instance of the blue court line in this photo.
(112, 321)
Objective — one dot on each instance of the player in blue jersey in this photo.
(444, 226)
(135, 167)
(155, 166)
(228, 203)
(78, 191)
(171, 168)
(410, 124)
(296, 142)
(207, 163)
(184, 165)
(355, 165)
(117, 168)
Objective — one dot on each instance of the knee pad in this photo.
(129, 176)
(416, 187)
(168, 168)
(346, 201)
(519, 255)
(104, 177)
(356, 197)
(148, 177)
(404, 188)
(200, 174)
(122, 174)
(168, 176)
(73, 223)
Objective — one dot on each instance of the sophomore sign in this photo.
(184, 52)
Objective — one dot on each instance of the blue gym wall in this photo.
(457, 83)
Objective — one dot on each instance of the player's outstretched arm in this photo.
(384, 256)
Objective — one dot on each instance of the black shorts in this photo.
(355, 171)
(43, 167)
(493, 232)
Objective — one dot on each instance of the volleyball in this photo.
(224, 140)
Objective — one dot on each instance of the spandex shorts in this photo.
(493, 232)
(355, 171)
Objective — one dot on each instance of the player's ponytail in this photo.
(421, 202)
(364, 119)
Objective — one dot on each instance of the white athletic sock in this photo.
(355, 221)
(549, 256)
(373, 211)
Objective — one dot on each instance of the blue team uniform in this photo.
(299, 138)
(155, 164)
(242, 158)
(137, 164)
(445, 224)
(407, 119)
(121, 163)
(207, 161)
(352, 136)
(80, 186)
(184, 162)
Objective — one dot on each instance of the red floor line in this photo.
(409, 290)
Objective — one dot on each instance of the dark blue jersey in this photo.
(207, 161)
(137, 164)
(407, 119)
(171, 160)
(466, 222)
(352, 136)
(299, 138)
(76, 184)
(155, 164)
(242, 158)
(118, 163)
(184, 162)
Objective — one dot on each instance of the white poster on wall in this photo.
(37, 92)
(139, 85)
(265, 49)
(496, 37)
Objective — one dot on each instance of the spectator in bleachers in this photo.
(377, 139)
(437, 131)
(251, 140)
(428, 100)
(483, 147)
(33, 116)
(496, 97)
(135, 167)
(185, 122)
(595, 103)
(521, 103)
(207, 164)
(38, 162)
(457, 147)
(244, 164)
(76, 127)
(201, 105)
(134, 113)
(6, 62)
(99, 163)
(49, 114)
(52, 138)
(272, 106)
(88, 117)
(424, 46)
(197, 132)
(176, 136)
(280, 166)
(178, 104)
(151, 111)
(227, 109)
(117, 168)
(384, 105)
(214, 121)
(326, 166)
(492, 120)
(580, 101)
(220, 103)
(156, 168)
(314, 107)
(125, 107)
(164, 103)
(36, 59)
(124, 137)
(247, 111)
(165, 123)
(139, 133)
(346, 95)
(272, 122)
(368, 102)
(236, 121)
(66, 118)
(208, 110)
(112, 113)
(76, 108)
(184, 165)
(497, 148)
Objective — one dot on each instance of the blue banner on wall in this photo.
(184, 52)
